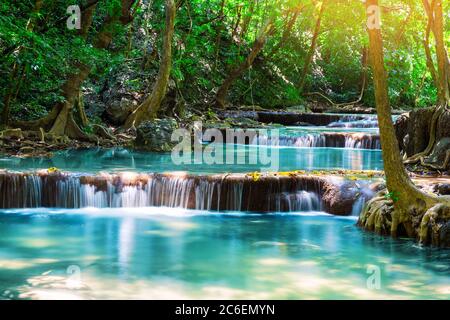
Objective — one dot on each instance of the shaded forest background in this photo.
(311, 51)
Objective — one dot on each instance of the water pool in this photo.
(160, 253)
(119, 160)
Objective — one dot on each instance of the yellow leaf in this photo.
(255, 176)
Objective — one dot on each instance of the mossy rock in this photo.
(156, 135)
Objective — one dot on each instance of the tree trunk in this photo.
(150, 107)
(14, 81)
(441, 54)
(258, 45)
(219, 30)
(247, 19)
(430, 25)
(408, 200)
(440, 76)
(60, 119)
(64, 123)
(312, 49)
(289, 25)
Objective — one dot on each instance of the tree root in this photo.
(417, 157)
(44, 122)
(432, 222)
(427, 221)
(12, 133)
(59, 122)
(103, 132)
(377, 215)
(444, 166)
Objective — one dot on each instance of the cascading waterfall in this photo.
(302, 201)
(353, 140)
(365, 195)
(351, 121)
(355, 124)
(358, 206)
(204, 193)
(304, 141)
(362, 141)
(236, 192)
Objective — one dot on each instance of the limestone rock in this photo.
(442, 189)
(118, 111)
(339, 199)
(156, 135)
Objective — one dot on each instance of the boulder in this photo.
(156, 135)
(339, 199)
(442, 189)
(119, 110)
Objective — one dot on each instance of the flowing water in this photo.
(157, 253)
(122, 160)
(323, 137)
(124, 242)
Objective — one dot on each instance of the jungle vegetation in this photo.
(208, 54)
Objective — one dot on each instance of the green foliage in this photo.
(207, 45)
(394, 196)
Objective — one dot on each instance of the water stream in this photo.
(158, 253)
(192, 237)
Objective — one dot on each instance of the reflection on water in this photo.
(116, 160)
(142, 253)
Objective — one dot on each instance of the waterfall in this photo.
(362, 141)
(204, 193)
(304, 141)
(236, 192)
(353, 140)
(366, 193)
(358, 206)
(355, 124)
(302, 201)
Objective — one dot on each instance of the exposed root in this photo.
(44, 122)
(103, 132)
(41, 135)
(417, 157)
(12, 133)
(377, 215)
(444, 166)
(434, 227)
(73, 131)
(429, 222)
(59, 122)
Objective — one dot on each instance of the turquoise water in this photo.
(160, 253)
(119, 160)
(293, 130)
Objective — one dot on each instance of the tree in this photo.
(312, 49)
(404, 204)
(258, 45)
(16, 75)
(60, 119)
(441, 77)
(149, 108)
(290, 20)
